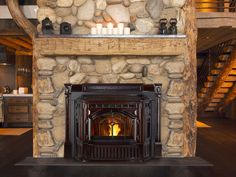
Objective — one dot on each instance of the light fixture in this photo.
(5, 57)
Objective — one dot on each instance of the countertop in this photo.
(18, 95)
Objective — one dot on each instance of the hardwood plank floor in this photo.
(216, 144)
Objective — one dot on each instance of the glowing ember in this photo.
(114, 129)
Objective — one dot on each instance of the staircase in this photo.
(217, 79)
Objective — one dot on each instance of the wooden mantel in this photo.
(148, 45)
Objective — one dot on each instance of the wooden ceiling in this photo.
(208, 38)
(22, 45)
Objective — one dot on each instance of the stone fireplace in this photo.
(140, 58)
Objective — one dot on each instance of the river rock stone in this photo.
(45, 85)
(45, 124)
(176, 139)
(59, 79)
(81, 30)
(175, 67)
(174, 3)
(89, 24)
(87, 68)
(119, 66)
(154, 69)
(73, 65)
(77, 78)
(79, 2)
(74, 10)
(131, 81)
(63, 12)
(118, 13)
(142, 61)
(127, 75)
(176, 88)
(70, 19)
(144, 25)
(46, 64)
(64, 3)
(93, 80)
(86, 11)
(45, 116)
(175, 108)
(85, 60)
(126, 3)
(136, 68)
(110, 78)
(136, 8)
(154, 8)
(45, 108)
(112, 2)
(45, 138)
(103, 66)
(44, 12)
(62, 60)
(101, 4)
(176, 124)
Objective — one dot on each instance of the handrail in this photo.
(216, 5)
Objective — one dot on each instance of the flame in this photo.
(114, 129)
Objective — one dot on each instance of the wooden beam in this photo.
(229, 98)
(26, 53)
(18, 42)
(26, 39)
(20, 19)
(9, 44)
(132, 45)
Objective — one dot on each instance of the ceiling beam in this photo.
(18, 42)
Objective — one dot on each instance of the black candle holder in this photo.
(65, 28)
(163, 28)
(47, 26)
(173, 26)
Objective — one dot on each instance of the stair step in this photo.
(211, 78)
(233, 72)
(210, 109)
(216, 100)
(204, 90)
(227, 85)
(219, 65)
(215, 72)
(231, 79)
(212, 104)
(208, 84)
(219, 95)
(223, 90)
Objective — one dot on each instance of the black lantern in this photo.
(65, 28)
(6, 58)
(163, 28)
(173, 26)
(47, 26)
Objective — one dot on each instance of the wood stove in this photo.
(114, 121)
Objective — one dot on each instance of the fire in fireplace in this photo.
(114, 121)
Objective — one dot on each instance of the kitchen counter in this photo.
(18, 95)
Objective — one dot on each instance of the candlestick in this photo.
(126, 30)
(93, 30)
(120, 28)
(109, 25)
(99, 28)
(110, 30)
(115, 31)
(104, 30)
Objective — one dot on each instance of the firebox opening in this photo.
(112, 125)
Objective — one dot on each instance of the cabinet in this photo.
(18, 111)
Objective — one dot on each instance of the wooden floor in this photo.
(216, 144)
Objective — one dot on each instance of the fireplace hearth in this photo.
(114, 121)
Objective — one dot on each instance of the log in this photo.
(20, 19)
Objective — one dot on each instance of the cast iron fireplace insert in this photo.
(114, 121)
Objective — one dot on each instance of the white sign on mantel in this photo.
(30, 12)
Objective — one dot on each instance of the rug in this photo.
(13, 131)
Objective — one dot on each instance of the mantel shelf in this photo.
(147, 45)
